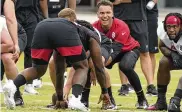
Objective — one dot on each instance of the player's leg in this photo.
(6, 42)
(153, 49)
(126, 65)
(163, 79)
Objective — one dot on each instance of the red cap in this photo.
(173, 20)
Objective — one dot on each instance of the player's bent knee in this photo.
(164, 62)
(6, 57)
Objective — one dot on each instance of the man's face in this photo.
(105, 14)
(172, 30)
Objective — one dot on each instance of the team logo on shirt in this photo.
(173, 47)
(113, 35)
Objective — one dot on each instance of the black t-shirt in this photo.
(152, 14)
(32, 5)
(131, 11)
(85, 35)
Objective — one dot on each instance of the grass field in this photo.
(37, 103)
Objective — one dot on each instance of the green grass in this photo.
(37, 103)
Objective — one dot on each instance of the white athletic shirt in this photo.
(169, 43)
(2, 23)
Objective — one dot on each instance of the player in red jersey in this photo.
(125, 47)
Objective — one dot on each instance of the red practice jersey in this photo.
(119, 32)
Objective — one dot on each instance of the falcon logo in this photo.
(113, 35)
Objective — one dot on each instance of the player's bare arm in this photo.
(44, 8)
(95, 53)
(72, 4)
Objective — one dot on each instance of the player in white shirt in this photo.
(171, 48)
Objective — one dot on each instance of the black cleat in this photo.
(142, 104)
(151, 90)
(113, 103)
(174, 104)
(86, 103)
(124, 91)
(159, 105)
(18, 99)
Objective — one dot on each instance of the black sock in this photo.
(140, 95)
(77, 90)
(85, 94)
(19, 80)
(178, 93)
(17, 94)
(109, 91)
(162, 89)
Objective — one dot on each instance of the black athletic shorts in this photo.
(56, 34)
(22, 38)
(139, 31)
(152, 35)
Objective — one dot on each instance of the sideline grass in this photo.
(37, 103)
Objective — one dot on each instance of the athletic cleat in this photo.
(174, 105)
(75, 104)
(151, 90)
(130, 88)
(37, 83)
(158, 106)
(9, 91)
(113, 104)
(18, 99)
(142, 104)
(124, 91)
(86, 103)
(29, 89)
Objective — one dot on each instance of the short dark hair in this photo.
(172, 14)
(105, 3)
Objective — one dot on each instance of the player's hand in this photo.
(176, 59)
(61, 105)
(16, 52)
(105, 98)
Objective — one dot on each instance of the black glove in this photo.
(177, 59)
(116, 47)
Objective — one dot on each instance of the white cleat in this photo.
(9, 90)
(29, 89)
(75, 103)
(37, 83)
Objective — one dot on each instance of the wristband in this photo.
(104, 90)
